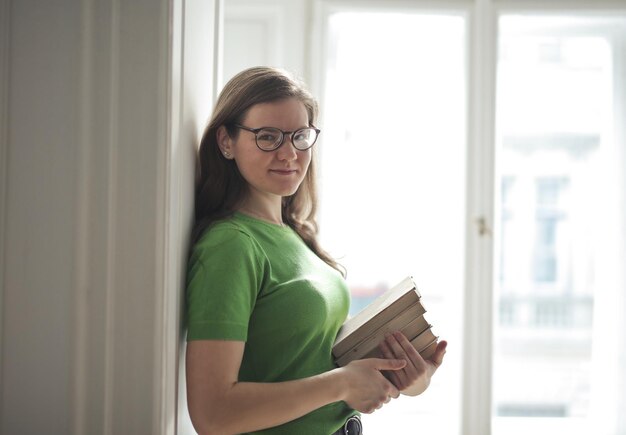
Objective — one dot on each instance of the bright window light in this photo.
(558, 239)
(393, 180)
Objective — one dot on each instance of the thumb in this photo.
(437, 357)
(389, 364)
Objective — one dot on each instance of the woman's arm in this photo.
(219, 404)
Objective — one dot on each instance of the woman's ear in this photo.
(224, 142)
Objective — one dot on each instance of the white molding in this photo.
(195, 53)
(81, 278)
(139, 123)
(218, 48)
(316, 45)
(560, 6)
(478, 299)
(111, 139)
(94, 307)
(620, 138)
(5, 36)
(425, 6)
(120, 297)
(166, 349)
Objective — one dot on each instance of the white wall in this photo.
(102, 104)
(40, 194)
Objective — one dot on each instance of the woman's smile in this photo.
(283, 172)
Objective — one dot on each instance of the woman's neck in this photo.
(270, 211)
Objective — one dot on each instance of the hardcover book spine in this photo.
(425, 343)
(345, 343)
(408, 322)
(415, 327)
(429, 350)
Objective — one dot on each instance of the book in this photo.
(425, 343)
(375, 315)
(398, 309)
(410, 321)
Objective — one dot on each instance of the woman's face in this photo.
(275, 173)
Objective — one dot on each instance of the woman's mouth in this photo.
(283, 171)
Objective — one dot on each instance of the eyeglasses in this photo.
(271, 138)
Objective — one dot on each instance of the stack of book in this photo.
(398, 309)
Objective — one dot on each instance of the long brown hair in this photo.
(220, 187)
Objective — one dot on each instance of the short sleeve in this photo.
(224, 276)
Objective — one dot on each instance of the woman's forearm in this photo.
(248, 406)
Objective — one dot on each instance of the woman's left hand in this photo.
(414, 378)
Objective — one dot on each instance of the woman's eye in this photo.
(267, 137)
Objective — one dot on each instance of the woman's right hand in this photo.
(366, 389)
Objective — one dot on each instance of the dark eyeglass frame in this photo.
(284, 134)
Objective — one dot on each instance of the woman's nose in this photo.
(287, 150)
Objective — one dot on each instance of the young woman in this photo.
(264, 301)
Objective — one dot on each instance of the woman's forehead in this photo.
(289, 111)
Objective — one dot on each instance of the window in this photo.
(393, 177)
(549, 219)
(555, 121)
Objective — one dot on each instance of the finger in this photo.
(389, 364)
(408, 348)
(392, 376)
(399, 352)
(437, 357)
(395, 393)
(417, 365)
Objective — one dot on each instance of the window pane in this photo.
(556, 166)
(393, 180)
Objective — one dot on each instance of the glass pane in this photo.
(393, 180)
(557, 172)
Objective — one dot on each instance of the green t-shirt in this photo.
(258, 282)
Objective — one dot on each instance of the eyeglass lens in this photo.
(272, 138)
